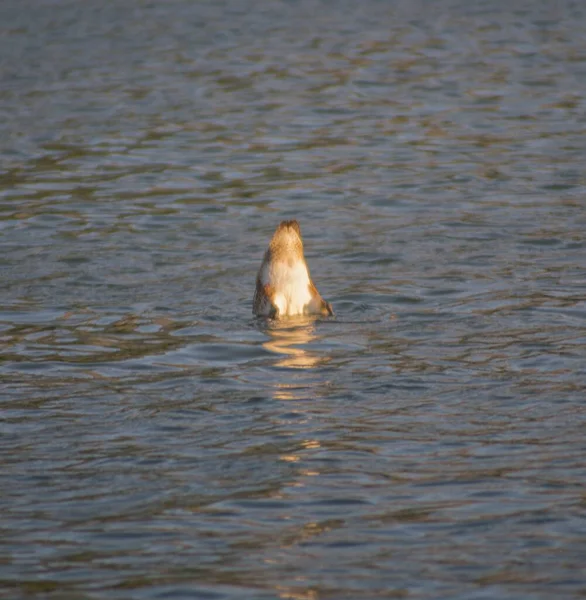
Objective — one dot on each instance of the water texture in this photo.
(156, 441)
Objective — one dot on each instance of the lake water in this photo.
(156, 441)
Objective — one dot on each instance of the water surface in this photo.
(158, 442)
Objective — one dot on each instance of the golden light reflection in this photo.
(285, 391)
(286, 339)
(289, 457)
(311, 444)
(290, 594)
(307, 445)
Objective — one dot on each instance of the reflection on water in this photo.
(158, 442)
(292, 340)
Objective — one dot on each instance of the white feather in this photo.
(292, 284)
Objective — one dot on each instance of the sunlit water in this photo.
(158, 442)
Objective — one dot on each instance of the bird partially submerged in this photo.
(283, 284)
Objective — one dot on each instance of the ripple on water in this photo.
(158, 441)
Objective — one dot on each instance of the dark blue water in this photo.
(158, 442)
